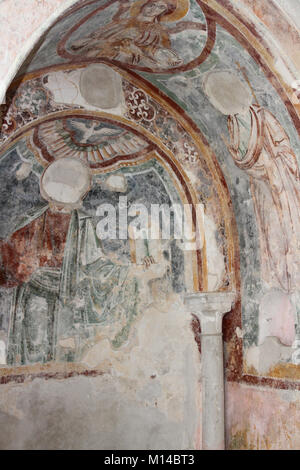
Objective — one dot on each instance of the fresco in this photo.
(165, 54)
(184, 36)
(55, 138)
(69, 286)
(158, 102)
(91, 140)
(145, 35)
(260, 146)
(270, 307)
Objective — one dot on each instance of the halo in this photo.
(227, 92)
(182, 8)
(65, 182)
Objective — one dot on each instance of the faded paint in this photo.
(156, 139)
(262, 418)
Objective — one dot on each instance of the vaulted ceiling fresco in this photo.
(172, 102)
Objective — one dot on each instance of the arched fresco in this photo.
(67, 133)
(197, 117)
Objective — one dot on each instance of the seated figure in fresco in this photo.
(65, 285)
(138, 40)
(260, 146)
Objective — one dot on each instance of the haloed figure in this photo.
(65, 286)
(140, 39)
(260, 146)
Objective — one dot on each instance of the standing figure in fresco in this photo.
(65, 286)
(260, 146)
(140, 39)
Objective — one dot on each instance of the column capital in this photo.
(210, 308)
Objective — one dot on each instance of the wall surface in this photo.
(98, 413)
(260, 418)
(94, 413)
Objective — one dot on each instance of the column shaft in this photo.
(213, 435)
(210, 308)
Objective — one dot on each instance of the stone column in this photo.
(210, 309)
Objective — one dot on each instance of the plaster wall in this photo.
(95, 413)
(87, 413)
(259, 418)
(22, 30)
(145, 397)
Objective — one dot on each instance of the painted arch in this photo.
(195, 39)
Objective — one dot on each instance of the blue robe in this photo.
(88, 291)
